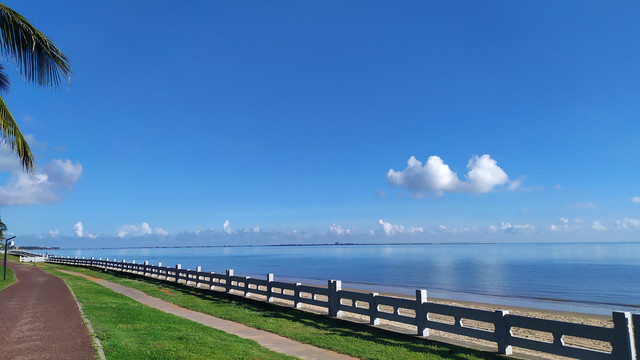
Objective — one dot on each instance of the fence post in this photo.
(269, 290)
(246, 286)
(178, 267)
(502, 332)
(373, 309)
(636, 331)
(334, 298)
(296, 296)
(623, 336)
(421, 314)
(198, 271)
(228, 279)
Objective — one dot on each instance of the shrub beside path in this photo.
(264, 338)
(39, 319)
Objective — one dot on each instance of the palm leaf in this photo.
(12, 135)
(38, 59)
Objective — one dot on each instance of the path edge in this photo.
(96, 342)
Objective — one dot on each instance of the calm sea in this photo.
(585, 277)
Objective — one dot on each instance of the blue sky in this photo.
(285, 119)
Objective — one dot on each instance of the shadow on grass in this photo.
(329, 327)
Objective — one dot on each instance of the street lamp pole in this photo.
(6, 242)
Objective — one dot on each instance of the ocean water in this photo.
(584, 277)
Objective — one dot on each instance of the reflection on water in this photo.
(604, 274)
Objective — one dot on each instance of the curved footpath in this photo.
(39, 319)
(266, 339)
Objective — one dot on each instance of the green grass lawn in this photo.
(357, 340)
(130, 330)
(11, 277)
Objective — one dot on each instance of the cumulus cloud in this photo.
(143, 229)
(635, 199)
(226, 228)
(598, 226)
(579, 205)
(79, 228)
(484, 175)
(391, 229)
(339, 230)
(53, 233)
(45, 185)
(628, 224)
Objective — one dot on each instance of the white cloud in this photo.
(391, 229)
(226, 228)
(161, 231)
(484, 175)
(579, 205)
(635, 199)
(628, 224)
(598, 226)
(143, 229)
(339, 230)
(45, 185)
(53, 233)
(510, 228)
(79, 228)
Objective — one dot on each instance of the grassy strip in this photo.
(130, 330)
(344, 337)
(11, 278)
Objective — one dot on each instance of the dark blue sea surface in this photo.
(584, 277)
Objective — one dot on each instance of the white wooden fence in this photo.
(625, 343)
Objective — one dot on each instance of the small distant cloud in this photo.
(579, 205)
(635, 199)
(381, 193)
(484, 175)
(526, 210)
(226, 228)
(510, 228)
(628, 224)
(28, 119)
(558, 187)
(141, 230)
(339, 230)
(391, 229)
(53, 233)
(79, 229)
(598, 226)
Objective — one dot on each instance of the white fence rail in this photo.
(625, 342)
(30, 259)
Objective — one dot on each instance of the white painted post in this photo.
(133, 261)
(623, 348)
(421, 314)
(178, 267)
(502, 332)
(159, 264)
(296, 297)
(228, 280)
(198, 271)
(334, 297)
(373, 310)
(269, 289)
(246, 286)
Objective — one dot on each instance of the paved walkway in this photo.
(39, 319)
(266, 339)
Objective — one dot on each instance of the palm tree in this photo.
(39, 61)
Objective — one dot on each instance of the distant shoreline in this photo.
(270, 245)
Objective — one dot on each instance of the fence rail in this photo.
(418, 312)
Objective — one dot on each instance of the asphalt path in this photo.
(39, 319)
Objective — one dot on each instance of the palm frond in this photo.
(4, 80)
(12, 136)
(38, 59)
